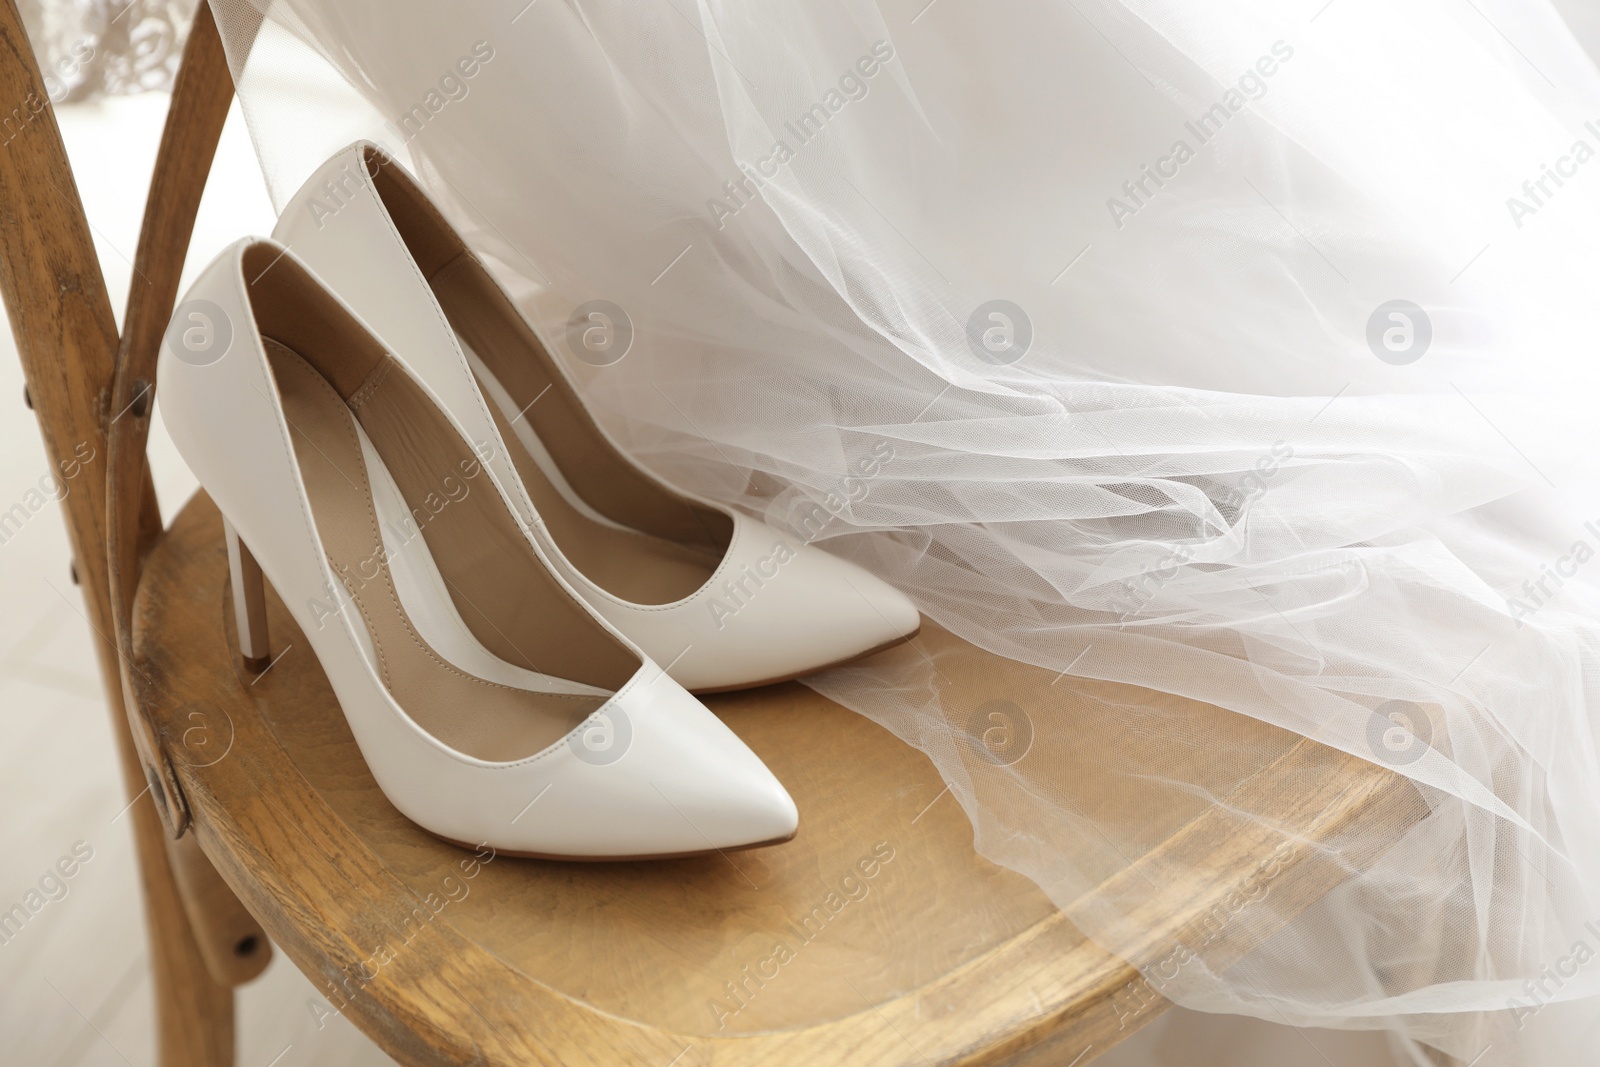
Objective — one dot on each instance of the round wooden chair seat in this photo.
(876, 924)
(877, 936)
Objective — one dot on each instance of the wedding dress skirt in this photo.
(1244, 352)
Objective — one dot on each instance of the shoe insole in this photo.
(625, 562)
(625, 531)
(472, 700)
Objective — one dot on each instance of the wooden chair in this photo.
(262, 825)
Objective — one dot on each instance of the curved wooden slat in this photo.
(202, 93)
(938, 958)
(59, 311)
(233, 944)
(61, 318)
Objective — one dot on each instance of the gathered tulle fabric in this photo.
(1241, 353)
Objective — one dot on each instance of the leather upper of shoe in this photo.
(774, 606)
(763, 606)
(649, 771)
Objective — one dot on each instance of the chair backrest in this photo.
(87, 386)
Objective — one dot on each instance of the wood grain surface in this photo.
(877, 936)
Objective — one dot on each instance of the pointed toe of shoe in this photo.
(837, 612)
(741, 811)
(718, 792)
(665, 777)
(774, 610)
(884, 615)
(793, 611)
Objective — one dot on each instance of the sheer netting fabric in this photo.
(1218, 379)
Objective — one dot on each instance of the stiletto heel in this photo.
(249, 602)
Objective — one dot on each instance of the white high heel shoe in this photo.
(723, 600)
(491, 704)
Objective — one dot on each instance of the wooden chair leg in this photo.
(230, 940)
(194, 1013)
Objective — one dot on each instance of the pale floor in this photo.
(74, 989)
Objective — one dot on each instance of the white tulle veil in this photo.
(1243, 352)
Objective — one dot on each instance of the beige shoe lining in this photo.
(668, 546)
(334, 375)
